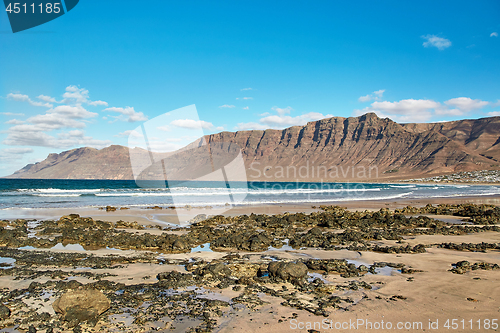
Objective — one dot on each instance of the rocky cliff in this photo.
(356, 148)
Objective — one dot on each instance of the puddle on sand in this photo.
(285, 247)
(125, 318)
(202, 248)
(70, 247)
(10, 330)
(31, 226)
(6, 263)
(113, 249)
(28, 247)
(384, 271)
(313, 276)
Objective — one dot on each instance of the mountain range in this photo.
(364, 148)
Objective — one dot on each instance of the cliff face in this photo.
(330, 149)
(82, 163)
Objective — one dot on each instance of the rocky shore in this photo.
(77, 274)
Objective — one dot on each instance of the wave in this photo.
(56, 190)
(402, 186)
(271, 202)
(56, 195)
(224, 191)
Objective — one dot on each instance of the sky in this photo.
(95, 74)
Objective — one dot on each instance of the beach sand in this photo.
(425, 300)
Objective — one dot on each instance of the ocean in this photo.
(44, 193)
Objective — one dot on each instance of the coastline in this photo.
(169, 216)
(403, 285)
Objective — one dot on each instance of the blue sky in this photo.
(91, 76)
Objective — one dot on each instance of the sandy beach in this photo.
(393, 273)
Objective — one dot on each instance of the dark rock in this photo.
(294, 272)
(4, 312)
(81, 305)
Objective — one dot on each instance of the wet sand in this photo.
(424, 299)
(181, 216)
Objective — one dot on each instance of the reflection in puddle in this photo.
(113, 249)
(70, 247)
(386, 271)
(202, 248)
(285, 247)
(26, 248)
(6, 263)
(314, 276)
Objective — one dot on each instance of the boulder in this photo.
(4, 312)
(294, 272)
(81, 305)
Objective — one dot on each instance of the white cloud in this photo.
(164, 128)
(282, 111)
(47, 99)
(62, 116)
(407, 110)
(96, 103)
(10, 154)
(12, 114)
(246, 108)
(42, 139)
(251, 126)
(244, 98)
(376, 95)
(15, 122)
(281, 120)
(494, 34)
(462, 105)
(494, 113)
(435, 41)
(128, 114)
(422, 110)
(366, 98)
(18, 150)
(25, 98)
(72, 96)
(75, 95)
(219, 128)
(129, 133)
(244, 89)
(18, 97)
(285, 121)
(192, 124)
(32, 132)
(227, 106)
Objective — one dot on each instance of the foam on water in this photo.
(29, 194)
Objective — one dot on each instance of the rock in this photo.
(361, 139)
(463, 264)
(174, 279)
(288, 271)
(179, 244)
(110, 208)
(4, 312)
(81, 305)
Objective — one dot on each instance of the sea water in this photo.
(43, 193)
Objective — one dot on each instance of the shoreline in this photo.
(349, 265)
(181, 216)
